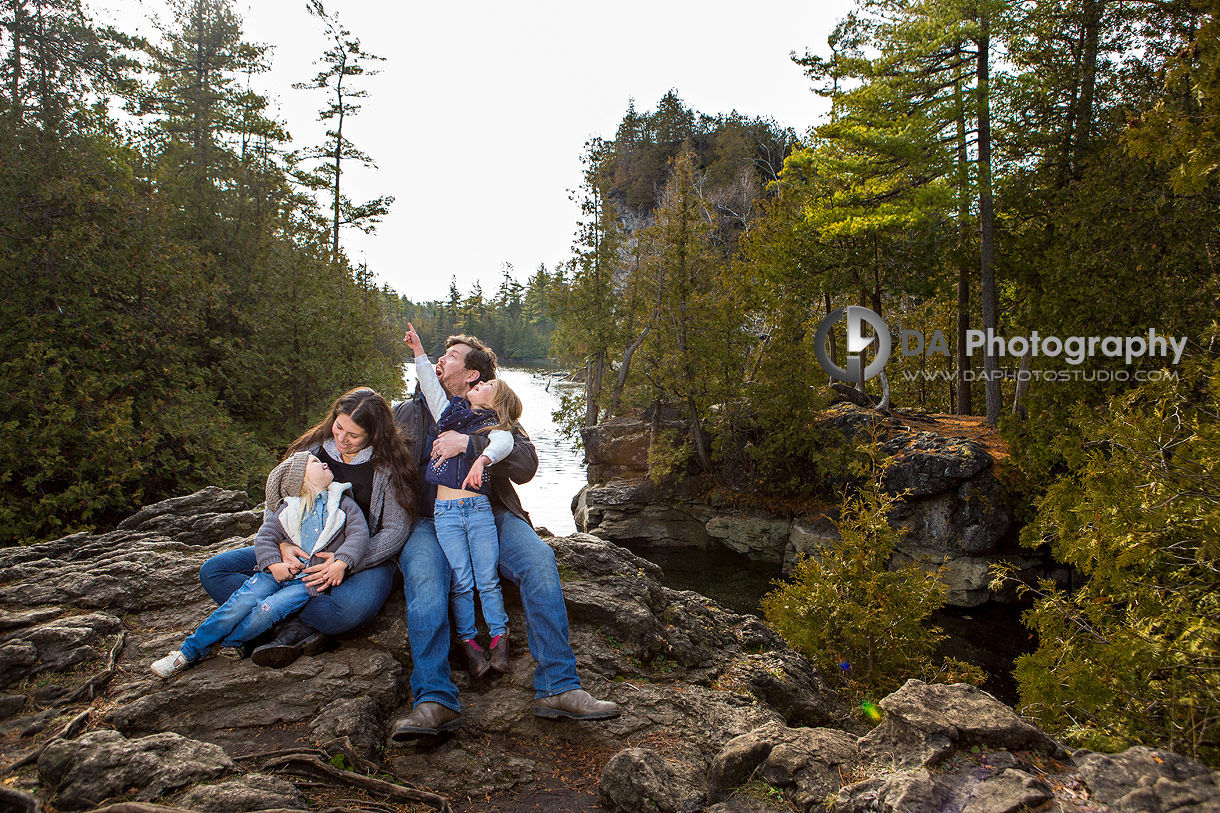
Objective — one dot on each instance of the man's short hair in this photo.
(481, 358)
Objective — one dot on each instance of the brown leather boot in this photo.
(476, 659)
(575, 704)
(499, 654)
(428, 719)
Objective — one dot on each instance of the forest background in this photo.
(178, 303)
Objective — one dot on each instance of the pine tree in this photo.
(1131, 655)
(344, 62)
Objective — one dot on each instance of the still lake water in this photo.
(990, 636)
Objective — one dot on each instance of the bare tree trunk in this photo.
(963, 406)
(1088, 81)
(702, 451)
(593, 387)
(1022, 385)
(623, 369)
(991, 367)
(762, 351)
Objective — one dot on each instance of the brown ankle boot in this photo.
(499, 654)
(476, 659)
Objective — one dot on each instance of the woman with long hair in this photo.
(360, 443)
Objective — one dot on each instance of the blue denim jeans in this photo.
(527, 562)
(253, 609)
(466, 531)
(354, 603)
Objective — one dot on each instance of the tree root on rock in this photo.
(316, 762)
(77, 723)
(74, 727)
(95, 682)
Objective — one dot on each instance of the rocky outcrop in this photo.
(937, 748)
(718, 714)
(82, 617)
(955, 513)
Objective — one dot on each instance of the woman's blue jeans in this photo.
(253, 609)
(527, 562)
(466, 531)
(352, 604)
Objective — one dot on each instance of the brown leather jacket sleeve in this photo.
(520, 466)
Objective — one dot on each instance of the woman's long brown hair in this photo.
(371, 413)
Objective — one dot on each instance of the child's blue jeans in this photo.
(466, 531)
(253, 608)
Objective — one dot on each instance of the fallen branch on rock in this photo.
(147, 807)
(303, 762)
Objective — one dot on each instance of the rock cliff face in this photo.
(718, 714)
(956, 513)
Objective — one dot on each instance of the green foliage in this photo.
(517, 321)
(569, 417)
(1132, 656)
(852, 615)
(171, 319)
(668, 457)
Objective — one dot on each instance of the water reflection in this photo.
(561, 469)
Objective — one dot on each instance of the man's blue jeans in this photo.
(466, 531)
(253, 609)
(352, 604)
(526, 561)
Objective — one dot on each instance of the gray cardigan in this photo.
(387, 520)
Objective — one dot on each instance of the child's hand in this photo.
(474, 479)
(412, 341)
(327, 574)
(292, 555)
(281, 571)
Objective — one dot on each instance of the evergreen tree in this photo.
(853, 614)
(1131, 655)
(344, 62)
(693, 357)
(587, 320)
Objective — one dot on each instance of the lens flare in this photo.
(870, 711)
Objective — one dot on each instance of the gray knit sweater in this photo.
(387, 520)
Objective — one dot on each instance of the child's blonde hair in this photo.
(309, 492)
(507, 406)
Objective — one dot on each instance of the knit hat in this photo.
(286, 480)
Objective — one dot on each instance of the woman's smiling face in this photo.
(349, 436)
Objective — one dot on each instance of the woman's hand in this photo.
(412, 341)
(327, 574)
(292, 555)
(281, 571)
(474, 479)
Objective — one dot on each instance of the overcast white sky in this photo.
(479, 116)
